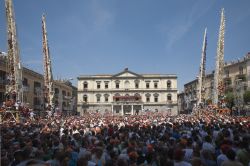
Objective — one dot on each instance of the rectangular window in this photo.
(106, 85)
(148, 99)
(98, 85)
(117, 85)
(156, 99)
(85, 86)
(85, 99)
(227, 73)
(25, 99)
(37, 87)
(98, 99)
(156, 85)
(136, 85)
(56, 91)
(25, 82)
(240, 70)
(36, 101)
(106, 99)
(147, 85)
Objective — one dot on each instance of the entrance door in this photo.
(117, 109)
(137, 109)
(127, 109)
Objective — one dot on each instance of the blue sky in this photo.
(106, 36)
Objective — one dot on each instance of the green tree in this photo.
(246, 97)
(229, 98)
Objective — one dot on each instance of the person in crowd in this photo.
(231, 159)
(148, 139)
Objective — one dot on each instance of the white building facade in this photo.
(127, 93)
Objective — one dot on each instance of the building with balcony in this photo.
(181, 102)
(65, 96)
(127, 93)
(33, 89)
(236, 80)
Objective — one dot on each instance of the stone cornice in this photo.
(144, 77)
(128, 91)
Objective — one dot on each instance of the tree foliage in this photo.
(246, 97)
(229, 98)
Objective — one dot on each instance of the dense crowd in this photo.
(152, 139)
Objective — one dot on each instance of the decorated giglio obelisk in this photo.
(48, 76)
(14, 67)
(219, 68)
(202, 71)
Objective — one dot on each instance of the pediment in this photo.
(126, 73)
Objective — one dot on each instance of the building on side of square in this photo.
(32, 87)
(127, 93)
(236, 80)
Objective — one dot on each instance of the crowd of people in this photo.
(152, 139)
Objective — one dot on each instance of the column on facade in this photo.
(132, 109)
(122, 110)
(112, 109)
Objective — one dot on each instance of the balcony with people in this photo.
(127, 98)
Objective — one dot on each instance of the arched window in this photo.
(85, 98)
(169, 84)
(85, 85)
(156, 95)
(98, 98)
(169, 97)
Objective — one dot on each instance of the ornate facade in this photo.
(127, 93)
(236, 80)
